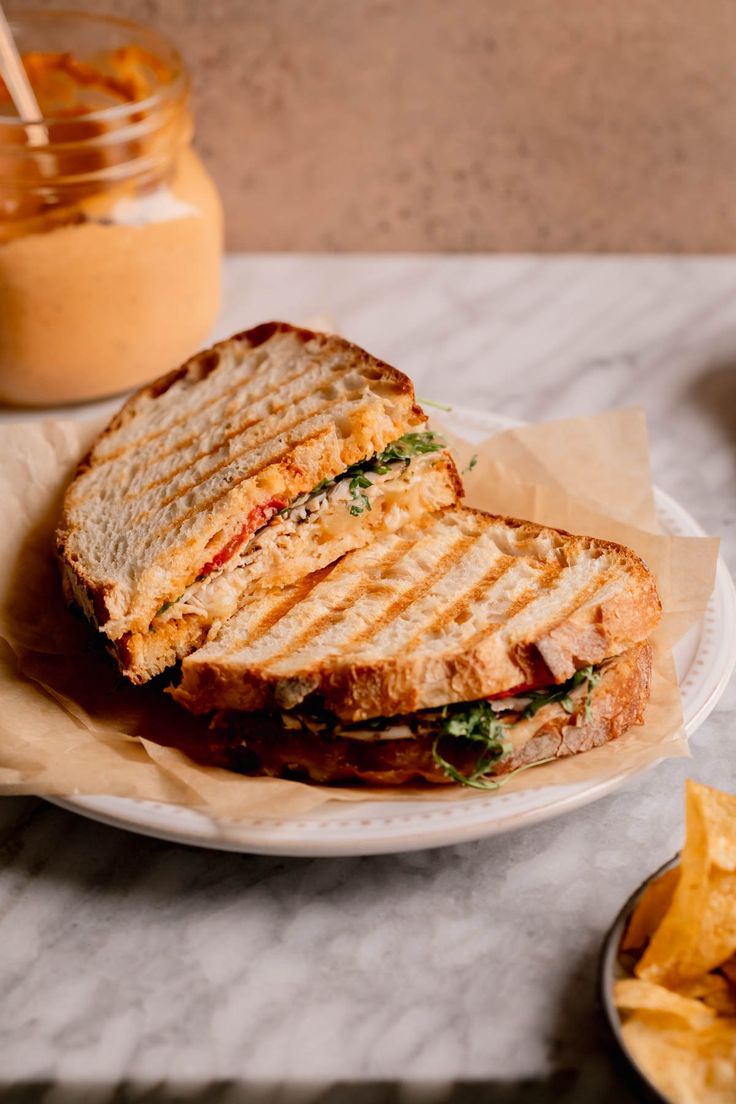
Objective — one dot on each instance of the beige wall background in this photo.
(542, 125)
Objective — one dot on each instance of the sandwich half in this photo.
(458, 649)
(259, 461)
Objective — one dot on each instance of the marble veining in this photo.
(136, 969)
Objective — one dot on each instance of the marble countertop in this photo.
(133, 969)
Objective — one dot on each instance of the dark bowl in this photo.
(609, 970)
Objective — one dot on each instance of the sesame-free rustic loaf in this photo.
(458, 606)
(202, 458)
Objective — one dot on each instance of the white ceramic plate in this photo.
(704, 658)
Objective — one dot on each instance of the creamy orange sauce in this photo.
(92, 308)
(118, 284)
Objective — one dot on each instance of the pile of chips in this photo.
(678, 1010)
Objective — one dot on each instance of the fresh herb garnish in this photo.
(408, 446)
(593, 677)
(488, 783)
(561, 693)
(163, 609)
(404, 449)
(477, 722)
(168, 605)
(357, 488)
(470, 464)
(437, 405)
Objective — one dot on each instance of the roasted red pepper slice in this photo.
(257, 518)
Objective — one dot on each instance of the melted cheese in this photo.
(372, 735)
(395, 497)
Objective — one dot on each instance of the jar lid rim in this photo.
(176, 88)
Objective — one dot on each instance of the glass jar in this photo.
(110, 227)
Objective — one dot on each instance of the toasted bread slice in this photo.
(459, 606)
(205, 456)
(261, 743)
(285, 551)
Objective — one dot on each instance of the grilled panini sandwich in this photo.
(460, 648)
(259, 461)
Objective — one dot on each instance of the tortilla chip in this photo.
(650, 910)
(714, 990)
(729, 969)
(631, 994)
(686, 1066)
(698, 931)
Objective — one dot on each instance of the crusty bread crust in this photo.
(357, 685)
(256, 745)
(123, 565)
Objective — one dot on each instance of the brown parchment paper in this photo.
(70, 725)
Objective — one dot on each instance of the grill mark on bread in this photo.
(162, 431)
(363, 363)
(438, 470)
(199, 368)
(534, 592)
(203, 507)
(239, 431)
(452, 612)
(549, 573)
(414, 592)
(176, 638)
(285, 602)
(250, 473)
(179, 443)
(537, 592)
(583, 594)
(387, 677)
(354, 593)
(371, 605)
(242, 383)
(542, 586)
(465, 573)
